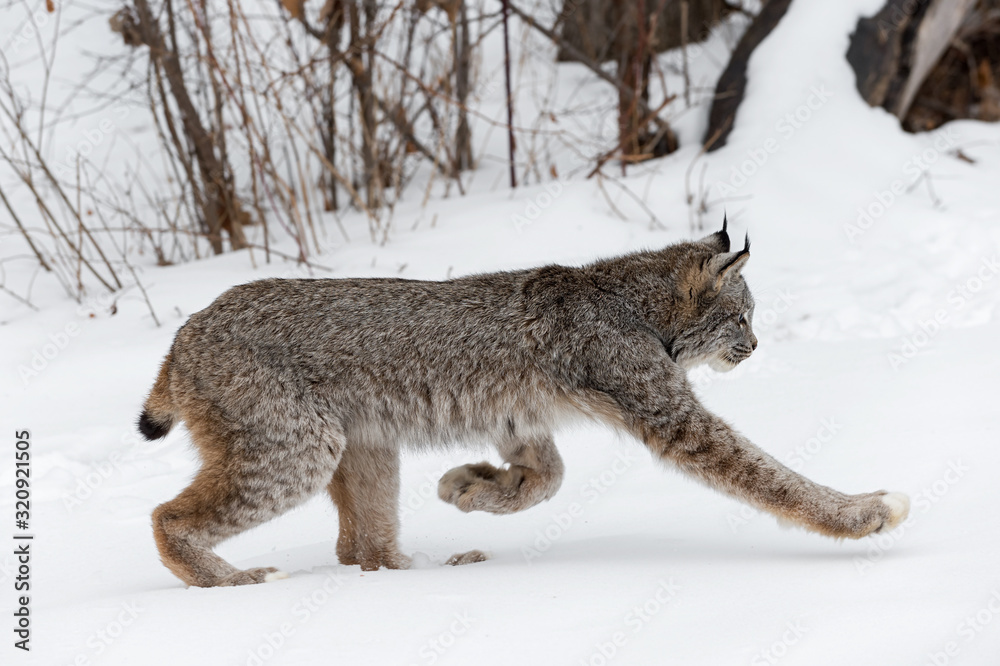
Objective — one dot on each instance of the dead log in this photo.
(930, 61)
(894, 51)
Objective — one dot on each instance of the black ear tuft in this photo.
(731, 260)
(740, 256)
(720, 239)
(723, 265)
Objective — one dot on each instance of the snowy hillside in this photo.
(876, 270)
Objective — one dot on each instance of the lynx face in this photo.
(726, 329)
(718, 329)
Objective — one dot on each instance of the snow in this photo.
(876, 369)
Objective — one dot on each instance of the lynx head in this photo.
(716, 308)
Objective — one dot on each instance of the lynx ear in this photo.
(723, 266)
(719, 241)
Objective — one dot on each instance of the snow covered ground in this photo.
(877, 367)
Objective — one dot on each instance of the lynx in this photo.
(291, 386)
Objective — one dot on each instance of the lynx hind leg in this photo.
(533, 474)
(365, 489)
(252, 484)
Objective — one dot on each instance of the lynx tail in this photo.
(158, 413)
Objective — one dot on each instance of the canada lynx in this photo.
(292, 386)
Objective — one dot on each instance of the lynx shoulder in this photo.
(289, 387)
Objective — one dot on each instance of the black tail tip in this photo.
(150, 429)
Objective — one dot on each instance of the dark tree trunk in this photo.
(360, 61)
(600, 28)
(220, 208)
(333, 17)
(635, 141)
(463, 58)
(633, 71)
(733, 82)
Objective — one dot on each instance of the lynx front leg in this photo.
(654, 401)
(705, 447)
(365, 489)
(534, 474)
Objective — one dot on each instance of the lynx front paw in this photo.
(899, 508)
(878, 512)
(481, 487)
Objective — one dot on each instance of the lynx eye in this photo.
(743, 319)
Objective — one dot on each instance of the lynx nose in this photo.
(753, 341)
